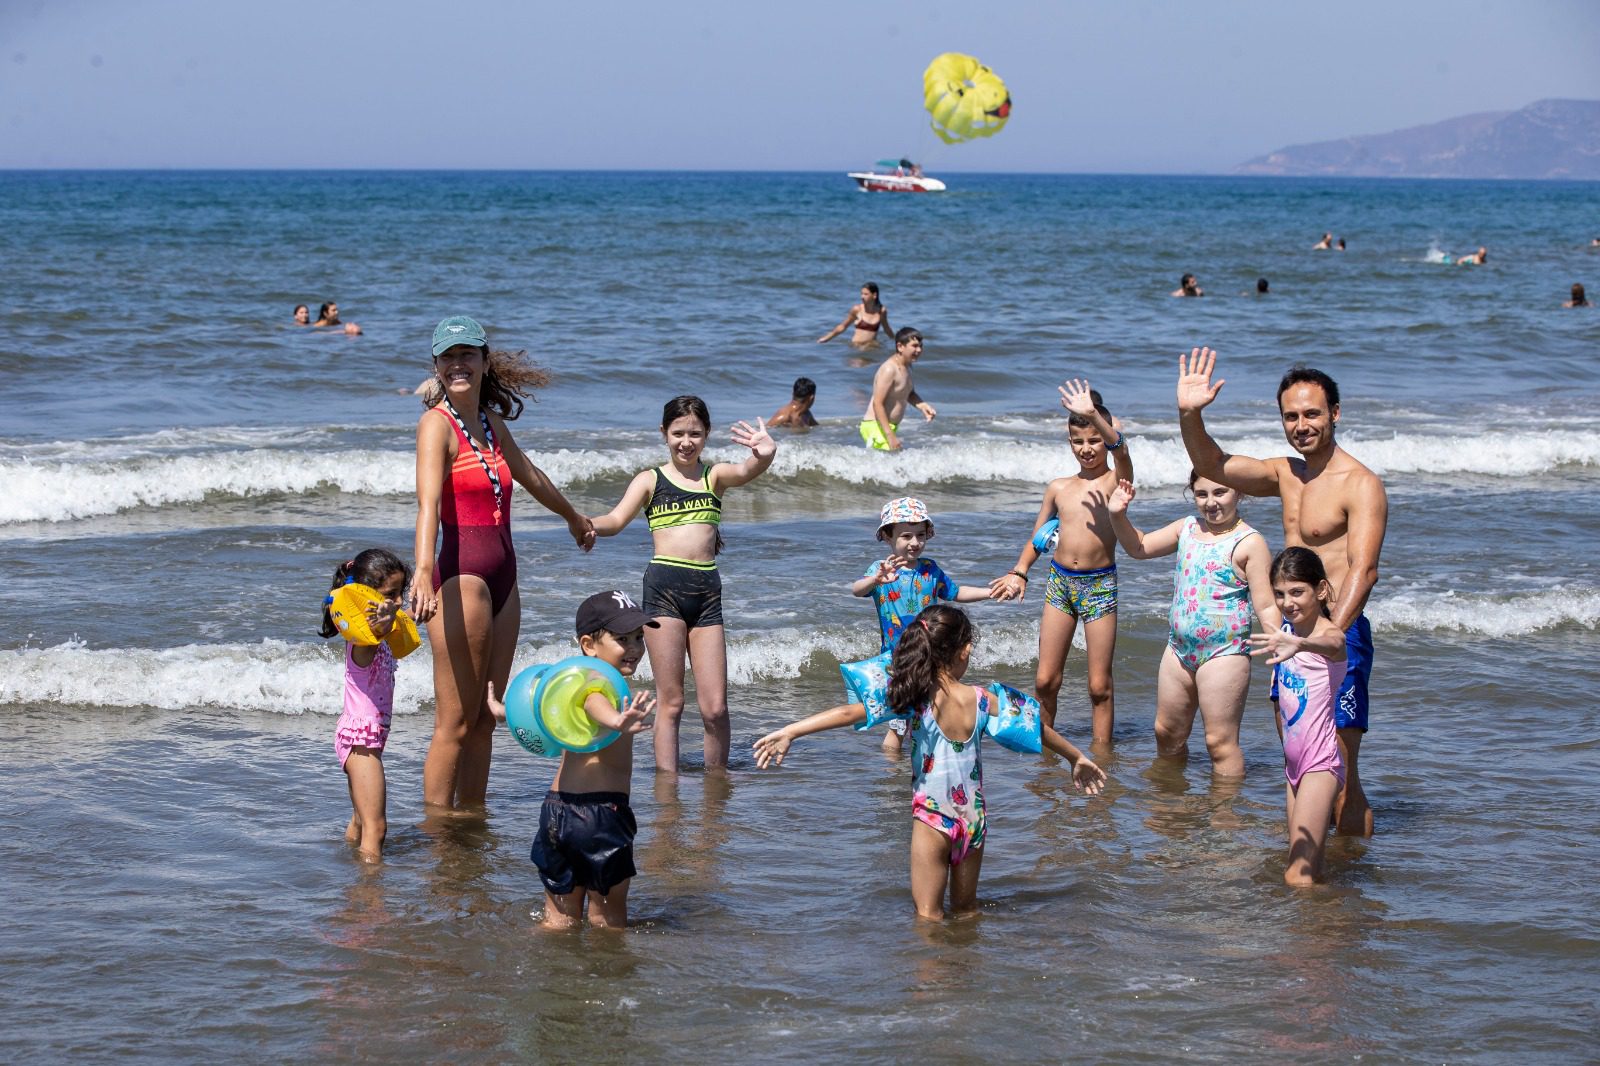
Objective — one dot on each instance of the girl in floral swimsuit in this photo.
(948, 719)
(1222, 572)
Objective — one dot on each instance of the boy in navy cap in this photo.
(585, 843)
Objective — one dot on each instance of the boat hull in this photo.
(896, 183)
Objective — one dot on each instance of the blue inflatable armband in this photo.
(867, 683)
(1044, 541)
(1014, 720)
(544, 705)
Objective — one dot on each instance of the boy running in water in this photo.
(892, 391)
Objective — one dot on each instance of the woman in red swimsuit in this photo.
(868, 317)
(466, 463)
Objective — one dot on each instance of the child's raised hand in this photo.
(889, 569)
(636, 719)
(1194, 379)
(1088, 777)
(1278, 646)
(496, 708)
(1076, 399)
(756, 438)
(380, 616)
(1121, 496)
(771, 749)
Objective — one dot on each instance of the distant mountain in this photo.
(1548, 139)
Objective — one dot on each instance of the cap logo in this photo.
(456, 329)
(623, 602)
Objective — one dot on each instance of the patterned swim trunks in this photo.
(1084, 594)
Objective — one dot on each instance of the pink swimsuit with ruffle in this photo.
(368, 703)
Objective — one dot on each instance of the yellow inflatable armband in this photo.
(347, 606)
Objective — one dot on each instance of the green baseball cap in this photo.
(458, 329)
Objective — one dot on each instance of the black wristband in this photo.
(1019, 573)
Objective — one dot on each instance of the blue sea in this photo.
(181, 468)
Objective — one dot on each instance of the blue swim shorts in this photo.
(1350, 708)
(1084, 594)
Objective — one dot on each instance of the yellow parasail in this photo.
(966, 99)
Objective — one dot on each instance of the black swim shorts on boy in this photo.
(585, 840)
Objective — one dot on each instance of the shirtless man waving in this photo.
(1331, 504)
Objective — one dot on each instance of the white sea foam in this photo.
(34, 490)
(305, 678)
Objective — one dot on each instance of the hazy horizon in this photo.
(180, 85)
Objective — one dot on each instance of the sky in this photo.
(1126, 87)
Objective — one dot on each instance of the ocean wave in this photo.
(31, 489)
(280, 677)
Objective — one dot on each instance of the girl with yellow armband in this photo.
(363, 606)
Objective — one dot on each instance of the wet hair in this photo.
(804, 388)
(872, 287)
(1261, 284)
(927, 650)
(906, 334)
(1299, 564)
(371, 568)
(679, 406)
(1302, 374)
(1579, 298)
(1186, 281)
(509, 378)
(301, 307)
(1341, 242)
(1081, 421)
(322, 314)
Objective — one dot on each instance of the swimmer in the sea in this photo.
(1188, 286)
(868, 317)
(1261, 286)
(1478, 258)
(1579, 297)
(302, 315)
(1341, 244)
(1324, 244)
(329, 316)
(796, 414)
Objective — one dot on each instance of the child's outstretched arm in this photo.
(974, 593)
(1163, 541)
(1013, 585)
(635, 718)
(762, 449)
(1280, 645)
(633, 498)
(1086, 775)
(771, 748)
(888, 569)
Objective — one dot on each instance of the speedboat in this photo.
(905, 177)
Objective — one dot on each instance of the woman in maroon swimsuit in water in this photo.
(868, 317)
(466, 463)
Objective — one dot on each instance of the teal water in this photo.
(179, 469)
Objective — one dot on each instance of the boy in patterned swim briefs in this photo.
(1082, 586)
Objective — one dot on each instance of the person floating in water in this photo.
(1188, 286)
(1341, 244)
(302, 315)
(1324, 244)
(1579, 298)
(1261, 287)
(1478, 258)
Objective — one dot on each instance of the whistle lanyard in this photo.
(488, 435)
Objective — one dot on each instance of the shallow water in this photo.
(178, 475)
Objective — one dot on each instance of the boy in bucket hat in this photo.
(904, 583)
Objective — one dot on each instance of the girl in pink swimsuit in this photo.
(1308, 658)
(363, 728)
(947, 719)
(1221, 575)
